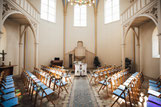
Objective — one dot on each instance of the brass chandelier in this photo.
(82, 2)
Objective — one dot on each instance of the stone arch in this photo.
(17, 12)
(31, 26)
(130, 23)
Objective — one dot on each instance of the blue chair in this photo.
(10, 103)
(8, 96)
(154, 99)
(150, 104)
(154, 93)
(61, 84)
(155, 88)
(45, 94)
(154, 85)
(121, 94)
(6, 91)
(104, 83)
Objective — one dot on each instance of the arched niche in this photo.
(155, 44)
(3, 39)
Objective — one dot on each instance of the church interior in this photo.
(80, 53)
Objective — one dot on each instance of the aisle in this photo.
(82, 94)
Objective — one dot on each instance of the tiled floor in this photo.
(81, 94)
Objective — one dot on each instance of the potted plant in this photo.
(96, 62)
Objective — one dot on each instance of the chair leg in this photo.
(32, 93)
(35, 99)
(51, 101)
(115, 102)
(107, 89)
(125, 100)
(41, 102)
(59, 92)
(100, 89)
(65, 89)
(91, 80)
(70, 80)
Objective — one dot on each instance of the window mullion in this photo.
(47, 9)
(112, 9)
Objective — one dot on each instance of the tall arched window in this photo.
(80, 15)
(155, 44)
(48, 10)
(111, 10)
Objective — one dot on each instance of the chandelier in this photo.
(82, 2)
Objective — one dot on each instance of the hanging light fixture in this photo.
(82, 2)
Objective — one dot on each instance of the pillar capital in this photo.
(159, 34)
(1, 32)
(137, 44)
(36, 43)
(20, 44)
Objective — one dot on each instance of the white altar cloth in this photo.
(80, 69)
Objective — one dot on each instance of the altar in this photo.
(80, 68)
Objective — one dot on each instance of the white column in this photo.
(123, 48)
(1, 11)
(159, 29)
(36, 54)
(37, 46)
(139, 68)
(21, 57)
(123, 55)
(1, 24)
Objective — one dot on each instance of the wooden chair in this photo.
(61, 84)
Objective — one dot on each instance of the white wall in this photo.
(12, 45)
(51, 37)
(110, 36)
(85, 34)
(150, 66)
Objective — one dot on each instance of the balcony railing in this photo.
(134, 9)
(28, 8)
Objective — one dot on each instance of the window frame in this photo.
(48, 13)
(80, 17)
(155, 44)
(112, 13)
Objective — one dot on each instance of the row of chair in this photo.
(48, 79)
(130, 89)
(57, 72)
(102, 74)
(7, 91)
(114, 80)
(154, 91)
(33, 84)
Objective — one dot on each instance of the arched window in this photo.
(48, 10)
(155, 44)
(111, 10)
(80, 15)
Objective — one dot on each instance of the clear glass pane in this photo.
(115, 3)
(44, 16)
(44, 2)
(52, 3)
(44, 8)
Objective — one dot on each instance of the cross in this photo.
(3, 55)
